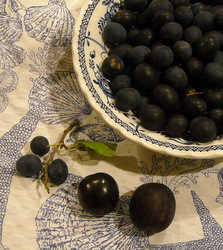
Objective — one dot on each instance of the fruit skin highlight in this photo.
(152, 207)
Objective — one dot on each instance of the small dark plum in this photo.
(57, 172)
(161, 56)
(112, 66)
(197, 7)
(152, 117)
(213, 97)
(217, 116)
(217, 35)
(192, 34)
(193, 67)
(125, 17)
(183, 15)
(217, 8)
(177, 125)
(176, 77)
(152, 207)
(204, 20)
(157, 5)
(182, 50)
(193, 106)
(98, 194)
(120, 82)
(146, 76)
(29, 165)
(127, 99)
(135, 5)
(177, 3)
(162, 17)
(202, 129)
(171, 32)
(121, 50)
(213, 74)
(113, 34)
(145, 37)
(166, 97)
(138, 54)
(40, 145)
(206, 48)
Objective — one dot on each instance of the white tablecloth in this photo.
(38, 97)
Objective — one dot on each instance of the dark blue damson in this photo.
(29, 165)
(127, 99)
(40, 145)
(202, 129)
(152, 117)
(57, 171)
(113, 33)
(112, 66)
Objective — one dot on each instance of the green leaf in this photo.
(101, 148)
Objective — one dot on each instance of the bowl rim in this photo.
(193, 152)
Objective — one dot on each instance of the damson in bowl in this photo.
(89, 52)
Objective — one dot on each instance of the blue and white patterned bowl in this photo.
(88, 54)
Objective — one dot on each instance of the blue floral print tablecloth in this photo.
(39, 95)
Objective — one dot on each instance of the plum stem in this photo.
(195, 93)
(60, 145)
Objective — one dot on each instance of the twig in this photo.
(195, 93)
(61, 145)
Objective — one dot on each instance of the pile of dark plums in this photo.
(165, 64)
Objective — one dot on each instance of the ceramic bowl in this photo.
(88, 53)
